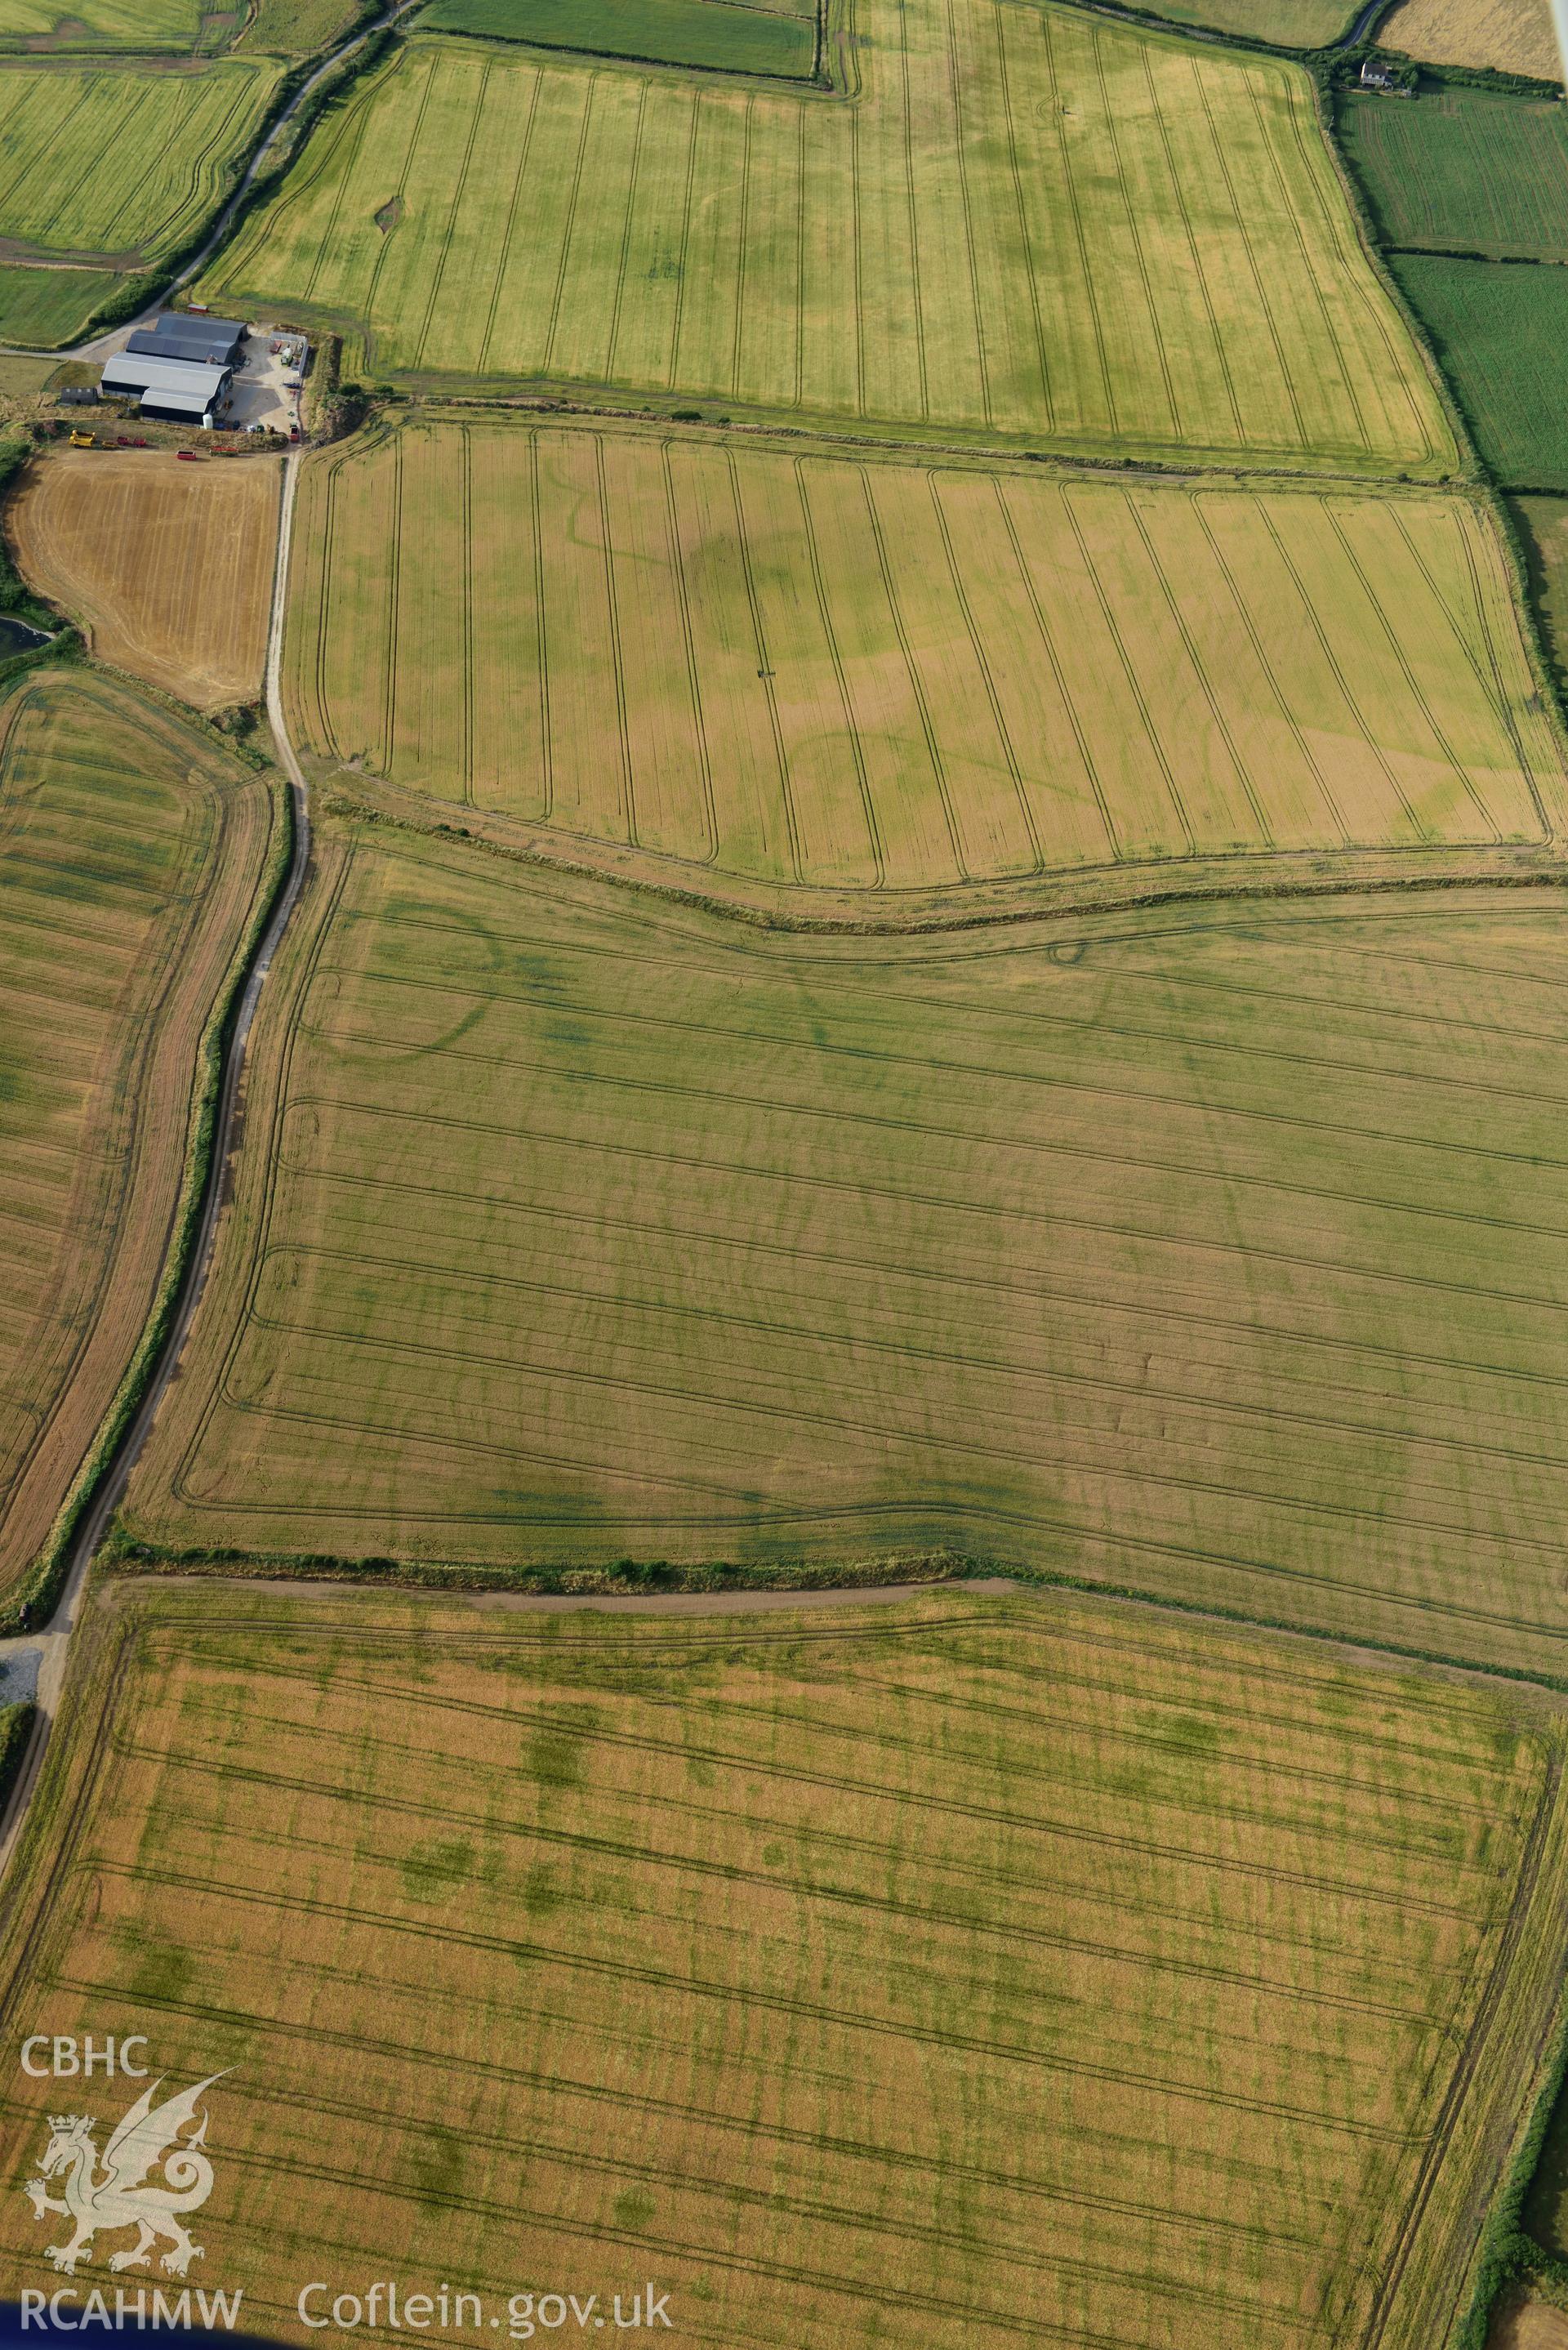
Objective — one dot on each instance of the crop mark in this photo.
(505, 245)
(1031, 268)
(617, 664)
(592, 87)
(911, 670)
(683, 601)
(629, 218)
(983, 666)
(765, 667)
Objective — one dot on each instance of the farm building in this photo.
(180, 389)
(198, 342)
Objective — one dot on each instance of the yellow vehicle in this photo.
(83, 440)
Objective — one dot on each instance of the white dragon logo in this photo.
(118, 2196)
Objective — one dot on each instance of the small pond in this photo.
(16, 637)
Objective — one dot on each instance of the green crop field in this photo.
(1218, 1251)
(49, 306)
(129, 857)
(1029, 224)
(1501, 329)
(1294, 23)
(1544, 523)
(298, 28)
(883, 675)
(1465, 171)
(731, 36)
(974, 1964)
(117, 162)
(101, 24)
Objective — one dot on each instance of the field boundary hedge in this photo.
(131, 1558)
(1201, 881)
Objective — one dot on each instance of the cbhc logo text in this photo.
(67, 2059)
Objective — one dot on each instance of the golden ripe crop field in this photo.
(1513, 36)
(167, 566)
(130, 855)
(1025, 222)
(984, 1965)
(1216, 1250)
(874, 675)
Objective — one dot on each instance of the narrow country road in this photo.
(51, 1644)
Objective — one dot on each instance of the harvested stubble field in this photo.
(1465, 171)
(725, 35)
(167, 566)
(855, 673)
(130, 855)
(101, 23)
(1028, 222)
(1522, 2321)
(1513, 36)
(1501, 328)
(118, 162)
(1218, 1251)
(979, 1965)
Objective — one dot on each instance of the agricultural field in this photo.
(1292, 23)
(168, 567)
(50, 307)
(726, 36)
(866, 674)
(950, 250)
(130, 855)
(1216, 1251)
(1522, 2321)
(118, 165)
(298, 28)
(1544, 524)
(22, 377)
(134, 24)
(1513, 35)
(1153, 1915)
(1500, 329)
(1465, 171)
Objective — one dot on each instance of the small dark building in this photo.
(79, 395)
(201, 342)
